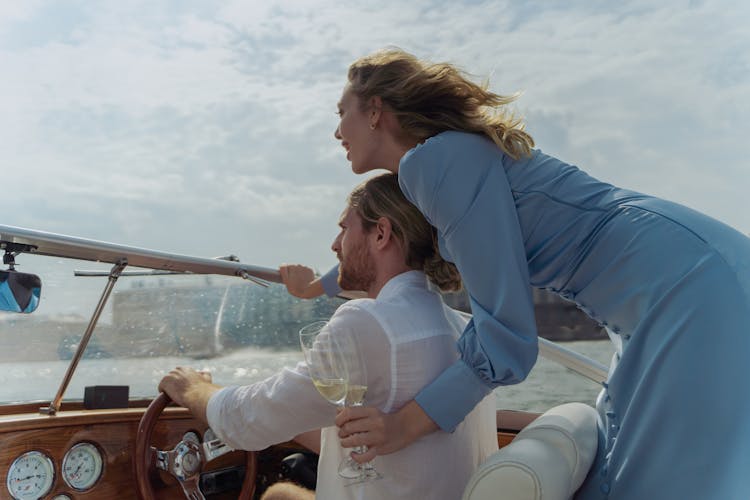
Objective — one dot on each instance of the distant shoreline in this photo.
(557, 319)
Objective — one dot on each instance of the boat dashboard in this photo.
(80, 454)
(91, 454)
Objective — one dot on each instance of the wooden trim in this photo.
(33, 407)
(505, 438)
(514, 420)
(38, 421)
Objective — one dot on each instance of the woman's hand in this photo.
(382, 433)
(300, 281)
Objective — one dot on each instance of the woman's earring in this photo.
(372, 126)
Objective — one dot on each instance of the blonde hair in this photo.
(431, 98)
(381, 196)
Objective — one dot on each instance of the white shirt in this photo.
(408, 337)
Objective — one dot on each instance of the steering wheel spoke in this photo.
(162, 459)
(191, 489)
(185, 461)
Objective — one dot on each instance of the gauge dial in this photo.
(82, 466)
(30, 476)
(61, 497)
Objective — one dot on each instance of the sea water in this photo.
(548, 383)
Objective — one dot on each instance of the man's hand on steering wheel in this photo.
(190, 389)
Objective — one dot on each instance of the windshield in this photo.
(238, 330)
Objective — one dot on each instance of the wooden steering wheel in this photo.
(186, 461)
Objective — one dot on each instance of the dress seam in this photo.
(708, 245)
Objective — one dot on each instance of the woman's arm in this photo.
(458, 182)
(301, 281)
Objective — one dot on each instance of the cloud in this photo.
(145, 121)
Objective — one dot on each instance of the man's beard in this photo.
(356, 270)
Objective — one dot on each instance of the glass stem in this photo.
(361, 448)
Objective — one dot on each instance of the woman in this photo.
(671, 284)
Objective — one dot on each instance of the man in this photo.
(407, 337)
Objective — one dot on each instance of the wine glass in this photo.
(356, 391)
(325, 362)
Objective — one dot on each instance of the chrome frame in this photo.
(54, 406)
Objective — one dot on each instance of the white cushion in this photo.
(547, 460)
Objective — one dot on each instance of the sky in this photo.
(206, 127)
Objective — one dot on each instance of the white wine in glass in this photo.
(356, 395)
(333, 390)
(325, 362)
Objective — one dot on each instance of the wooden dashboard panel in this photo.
(113, 432)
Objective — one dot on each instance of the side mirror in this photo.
(19, 292)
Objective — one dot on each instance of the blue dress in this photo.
(671, 284)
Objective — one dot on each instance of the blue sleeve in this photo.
(458, 182)
(330, 282)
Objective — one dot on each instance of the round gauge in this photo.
(82, 466)
(61, 497)
(30, 476)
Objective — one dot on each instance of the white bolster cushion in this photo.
(547, 460)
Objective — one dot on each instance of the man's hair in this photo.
(431, 98)
(381, 196)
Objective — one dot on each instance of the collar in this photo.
(395, 285)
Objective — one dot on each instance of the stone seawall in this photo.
(557, 319)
